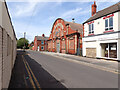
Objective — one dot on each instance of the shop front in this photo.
(109, 50)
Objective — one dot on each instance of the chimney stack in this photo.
(73, 20)
(94, 6)
(43, 35)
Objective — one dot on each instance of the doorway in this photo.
(58, 47)
(38, 48)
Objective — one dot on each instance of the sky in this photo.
(36, 18)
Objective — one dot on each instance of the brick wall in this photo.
(37, 43)
(60, 34)
(71, 45)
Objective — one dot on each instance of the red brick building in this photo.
(40, 43)
(65, 37)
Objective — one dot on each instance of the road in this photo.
(53, 72)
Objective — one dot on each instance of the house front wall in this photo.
(38, 46)
(119, 49)
(99, 25)
(119, 20)
(100, 38)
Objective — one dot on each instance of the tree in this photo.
(20, 43)
(31, 45)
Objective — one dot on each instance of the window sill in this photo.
(108, 31)
(90, 34)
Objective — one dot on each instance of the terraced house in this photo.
(40, 43)
(65, 37)
(102, 33)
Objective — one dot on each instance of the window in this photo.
(91, 28)
(42, 42)
(106, 24)
(109, 24)
(8, 45)
(42, 47)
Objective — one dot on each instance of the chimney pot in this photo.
(73, 20)
(94, 6)
(43, 35)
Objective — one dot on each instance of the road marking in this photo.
(88, 64)
(31, 80)
(25, 82)
(35, 79)
(38, 85)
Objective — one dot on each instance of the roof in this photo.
(104, 12)
(41, 38)
(75, 26)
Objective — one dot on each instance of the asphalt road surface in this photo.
(51, 72)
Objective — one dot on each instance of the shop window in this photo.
(113, 50)
(109, 24)
(109, 50)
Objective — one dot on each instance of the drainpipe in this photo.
(108, 51)
(67, 25)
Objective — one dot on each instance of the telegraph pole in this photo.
(24, 40)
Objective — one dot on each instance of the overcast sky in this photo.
(36, 18)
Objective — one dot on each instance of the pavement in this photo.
(100, 63)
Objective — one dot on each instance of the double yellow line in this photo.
(31, 74)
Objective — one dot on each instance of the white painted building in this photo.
(102, 33)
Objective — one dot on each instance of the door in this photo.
(38, 48)
(113, 50)
(106, 50)
(58, 47)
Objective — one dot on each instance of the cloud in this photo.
(71, 12)
(25, 9)
(51, 18)
(74, 13)
(31, 31)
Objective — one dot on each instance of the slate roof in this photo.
(75, 26)
(104, 12)
(41, 38)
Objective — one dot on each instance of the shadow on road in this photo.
(19, 74)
